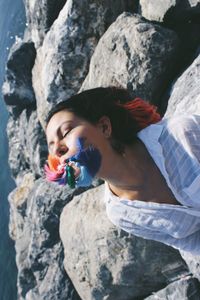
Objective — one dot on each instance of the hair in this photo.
(127, 116)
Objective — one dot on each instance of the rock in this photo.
(105, 262)
(63, 60)
(36, 208)
(27, 142)
(169, 9)
(18, 205)
(134, 54)
(180, 16)
(40, 15)
(184, 289)
(17, 159)
(193, 263)
(102, 261)
(156, 10)
(185, 93)
(17, 88)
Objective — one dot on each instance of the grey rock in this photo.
(102, 261)
(18, 205)
(134, 54)
(105, 262)
(40, 15)
(184, 289)
(156, 10)
(17, 88)
(17, 159)
(36, 208)
(193, 263)
(27, 143)
(193, 3)
(182, 16)
(63, 60)
(185, 92)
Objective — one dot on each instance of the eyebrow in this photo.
(62, 124)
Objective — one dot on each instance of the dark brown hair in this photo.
(127, 116)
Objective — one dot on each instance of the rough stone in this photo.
(35, 227)
(156, 10)
(105, 262)
(185, 92)
(17, 160)
(102, 261)
(40, 15)
(63, 60)
(184, 289)
(27, 144)
(183, 17)
(17, 88)
(134, 54)
(193, 263)
(18, 204)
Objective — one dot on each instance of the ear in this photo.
(104, 125)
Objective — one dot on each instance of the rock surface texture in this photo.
(17, 87)
(186, 90)
(105, 262)
(134, 54)
(159, 11)
(63, 59)
(66, 248)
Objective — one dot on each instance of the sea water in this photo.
(12, 24)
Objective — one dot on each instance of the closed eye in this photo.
(65, 133)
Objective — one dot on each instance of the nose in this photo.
(60, 149)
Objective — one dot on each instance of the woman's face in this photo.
(68, 135)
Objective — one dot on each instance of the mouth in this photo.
(62, 173)
(76, 169)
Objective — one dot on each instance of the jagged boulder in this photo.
(35, 212)
(193, 262)
(18, 205)
(105, 262)
(102, 261)
(40, 15)
(134, 54)
(63, 60)
(184, 289)
(17, 88)
(185, 92)
(183, 17)
(156, 10)
(27, 144)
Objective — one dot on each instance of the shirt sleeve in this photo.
(154, 224)
(180, 142)
(189, 243)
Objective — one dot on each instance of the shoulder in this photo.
(178, 128)
(183, 123)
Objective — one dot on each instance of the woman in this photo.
(150, 166)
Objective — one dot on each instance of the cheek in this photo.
(90, 157)
(73, 145)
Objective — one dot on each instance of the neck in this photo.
(126, 174)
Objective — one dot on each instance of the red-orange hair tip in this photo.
(144, 113)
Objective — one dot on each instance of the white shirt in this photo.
(174, 145)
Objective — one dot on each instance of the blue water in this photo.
(12, 24)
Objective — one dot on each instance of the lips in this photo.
(78, 170)
(62, 173)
